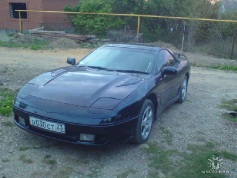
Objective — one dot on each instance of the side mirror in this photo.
(71, 60)
(169, 71)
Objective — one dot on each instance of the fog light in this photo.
(87, 137)
(22, 121)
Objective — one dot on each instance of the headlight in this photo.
(105, 103)
(27, 90)
(19, 103)
(87, 137)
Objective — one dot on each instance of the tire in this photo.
(145, 122)
(183, 90)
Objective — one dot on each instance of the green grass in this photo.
(49, 161)
(160, 158)
(231, 106)
(168, 135)
(192, 164)
(225, 67)
(34, 45)
(25, 159)
(38, 45)
(229, 117)
(196, 162)
(222, 67)
(6, 101)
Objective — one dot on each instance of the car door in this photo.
(174, 80)
(165, 85)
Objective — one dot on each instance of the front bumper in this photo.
(104, 134)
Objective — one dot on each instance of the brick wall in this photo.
(32, 21)
(35, 20)
(56, 21)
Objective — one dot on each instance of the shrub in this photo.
(95, 24)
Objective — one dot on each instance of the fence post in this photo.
(233, 45)
(138, 24)
(20, 22)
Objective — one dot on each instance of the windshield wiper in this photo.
(97, 67)
(132, 71)
(107, 69)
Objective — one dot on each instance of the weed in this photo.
(34, 45)
(168, 135)
(126, 173)
(81, 161)
(190, 164)
(36, 147)
(229, 117)
(94, 172)
(5, 160)
(6, 101)
(160, 158)
(196, 162)
(64, 172)
(24, 148)
(218, 48)
(49, 161)
(37, 45)
(25, 159)
(10, 34)
(225, 67)
(231, 106)
(8, 124)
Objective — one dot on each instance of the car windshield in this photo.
(120, 59)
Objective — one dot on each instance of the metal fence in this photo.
(178, 33)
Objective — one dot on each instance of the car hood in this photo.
(87, 88)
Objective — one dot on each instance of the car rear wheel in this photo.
(145, 121)
(183, 90)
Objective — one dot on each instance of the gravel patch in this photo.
(4, 37)
(64, 43)
(195, 122)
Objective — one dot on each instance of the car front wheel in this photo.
(145, 121)
(183, 90)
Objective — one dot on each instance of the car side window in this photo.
(164, 59)
(161, 62)
(170, 59)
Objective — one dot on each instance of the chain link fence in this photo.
(209, 36)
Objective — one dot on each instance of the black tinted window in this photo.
(170, 59)
(164, 59)
(121, 59)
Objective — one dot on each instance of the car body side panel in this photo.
(110, 110)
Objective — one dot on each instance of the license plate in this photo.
(46, 125)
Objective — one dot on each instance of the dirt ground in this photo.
(195, 122)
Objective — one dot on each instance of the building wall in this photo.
(9, 23)
(53, 21)
(35, 20)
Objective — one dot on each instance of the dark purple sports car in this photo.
(112, 95)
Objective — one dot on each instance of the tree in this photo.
(197, 31)
(93, 24)
(152, 28)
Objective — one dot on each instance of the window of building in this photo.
(18, 6)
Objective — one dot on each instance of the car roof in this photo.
(134, 46)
